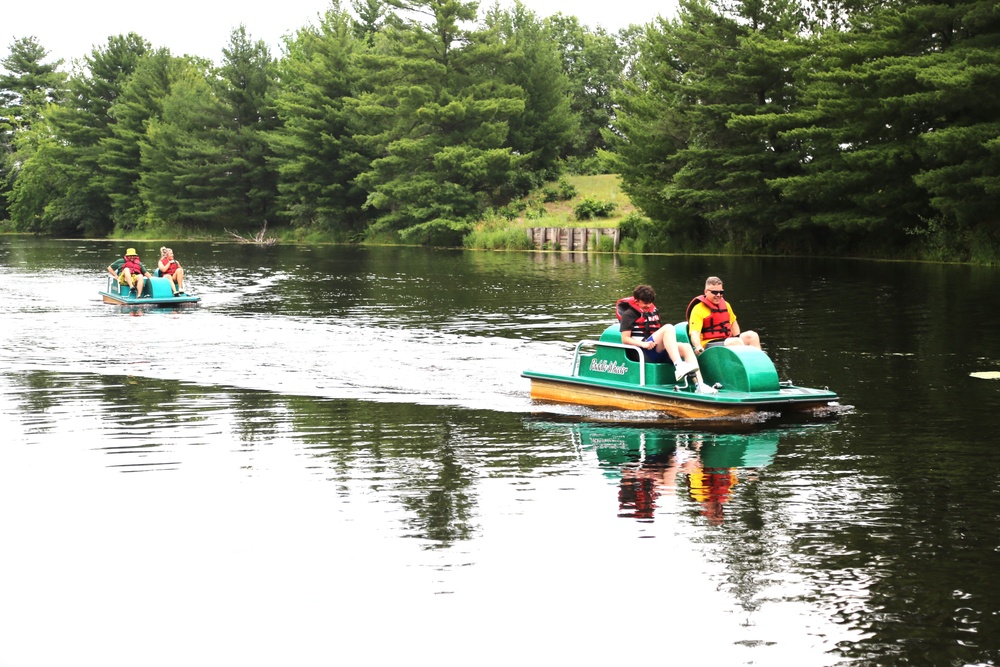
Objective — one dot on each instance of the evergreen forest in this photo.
(846, 127)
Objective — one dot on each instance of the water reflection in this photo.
(703, 468)
(263, 460)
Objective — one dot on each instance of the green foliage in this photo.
(27, 86)
(591, 208)
(74, 200)
(548, 126)
(439, 232)
(604, 244)
(594, 61)
(435, 126)
(315, 155)
(566, 189)
(140, 102)
(498, 239)
(184, 165)
(635, 226)
(737, 126)
(245, 84)
(637, 233)
(562, 192)
(682, 157)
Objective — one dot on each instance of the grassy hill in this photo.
(553, 205)
(604, 188)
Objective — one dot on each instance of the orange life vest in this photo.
(646, 324)
(133, 264)
(716, 325)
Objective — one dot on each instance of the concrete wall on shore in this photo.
(570, 238)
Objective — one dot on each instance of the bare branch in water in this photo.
(260, 238)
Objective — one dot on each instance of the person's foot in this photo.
(682, 368)
(706, 389)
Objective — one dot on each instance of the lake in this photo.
(333, 458)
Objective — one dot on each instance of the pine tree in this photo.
(247, 78)
(547, 129)
(27, 85)
(314, 152)
(77, 203)
(434, 126)
(140, 102)
(184, 164)
(698, 145)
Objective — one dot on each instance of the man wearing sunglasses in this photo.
(711, 321)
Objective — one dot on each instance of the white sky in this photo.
(69, 29)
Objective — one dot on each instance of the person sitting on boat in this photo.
(129, 270)
(711, 320)
(641, 326)
(171, 269)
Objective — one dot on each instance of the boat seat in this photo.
(614, 335)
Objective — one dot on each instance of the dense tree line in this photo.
(399, 119)
(829, 127)
(782, 125)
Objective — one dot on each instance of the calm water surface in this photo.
(334, 458)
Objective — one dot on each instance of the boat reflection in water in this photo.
(652, 463)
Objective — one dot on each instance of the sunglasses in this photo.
(717, 292)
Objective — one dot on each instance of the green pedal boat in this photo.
(607, 374)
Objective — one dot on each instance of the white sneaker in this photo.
(706, 389)
(682, 368)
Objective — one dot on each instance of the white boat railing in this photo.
(575, 371)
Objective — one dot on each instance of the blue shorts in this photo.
(654, 355)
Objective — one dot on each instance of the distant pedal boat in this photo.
(608, 374)
(156, 291)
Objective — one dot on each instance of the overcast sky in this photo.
(69, 29)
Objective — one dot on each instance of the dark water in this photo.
(334, 458)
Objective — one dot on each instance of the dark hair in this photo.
(644, 293)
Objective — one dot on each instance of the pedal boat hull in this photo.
(616, 376)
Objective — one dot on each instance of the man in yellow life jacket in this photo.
(711, 320)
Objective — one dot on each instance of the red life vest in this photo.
(172, 267)
(646, 324)
(132, 264)
(716, 325)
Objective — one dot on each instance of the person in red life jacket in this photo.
(641, 326)
(130, 271)
(171, 269)
(711, 320)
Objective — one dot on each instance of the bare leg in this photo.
(138, 285)
(750, 338)
(179, 277)
(666, 340)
